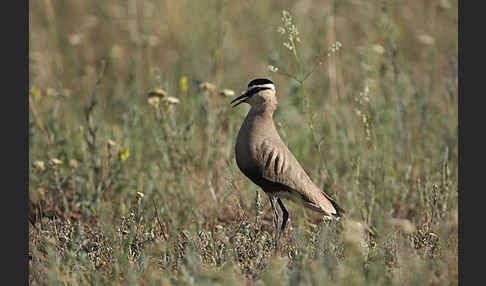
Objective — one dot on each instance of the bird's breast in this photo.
(243, 151)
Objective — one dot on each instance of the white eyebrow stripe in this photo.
(269, 85)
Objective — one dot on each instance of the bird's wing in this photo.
(278, 164)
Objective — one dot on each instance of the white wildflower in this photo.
(208, 86)
(272, 68)
(55, 161)
(171, 100)
(40, 165)
(227, 92)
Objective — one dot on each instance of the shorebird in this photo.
(265, 159)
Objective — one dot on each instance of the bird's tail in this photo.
(339, 210)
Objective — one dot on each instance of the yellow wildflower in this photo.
(124, 154)
(35, 92)
(183, 84)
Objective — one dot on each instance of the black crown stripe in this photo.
(259, 81)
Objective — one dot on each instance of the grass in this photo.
(127, 191)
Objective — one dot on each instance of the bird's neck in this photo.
(258, 121)
(264, 112)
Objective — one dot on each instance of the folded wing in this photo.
(278, 165)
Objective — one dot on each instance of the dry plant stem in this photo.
(310, 122)
(92, 144)
(164, 235)
(50, 146)
(207, 131)
(305, 100)
(57, 180)
(41, 126)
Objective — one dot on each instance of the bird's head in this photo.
(259, 94)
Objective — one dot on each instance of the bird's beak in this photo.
(248, 94)
(244, 97)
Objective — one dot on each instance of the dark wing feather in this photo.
(278, 165)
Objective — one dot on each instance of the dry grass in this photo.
(129, 191)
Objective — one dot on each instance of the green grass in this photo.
(375, 125)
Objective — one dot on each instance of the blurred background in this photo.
(368, 103)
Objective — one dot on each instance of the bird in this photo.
(263, 157)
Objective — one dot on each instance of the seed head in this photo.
(288, 46)
(227, 92)
(290, 29)
(334, 48)
(55, 161)
(154, 101)
(170, 100)
(378, 49)
(208, 86)
(73, 163)
(426, 39)
(39, 165)
(272, 68)
(51, 91)
(157, 92)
